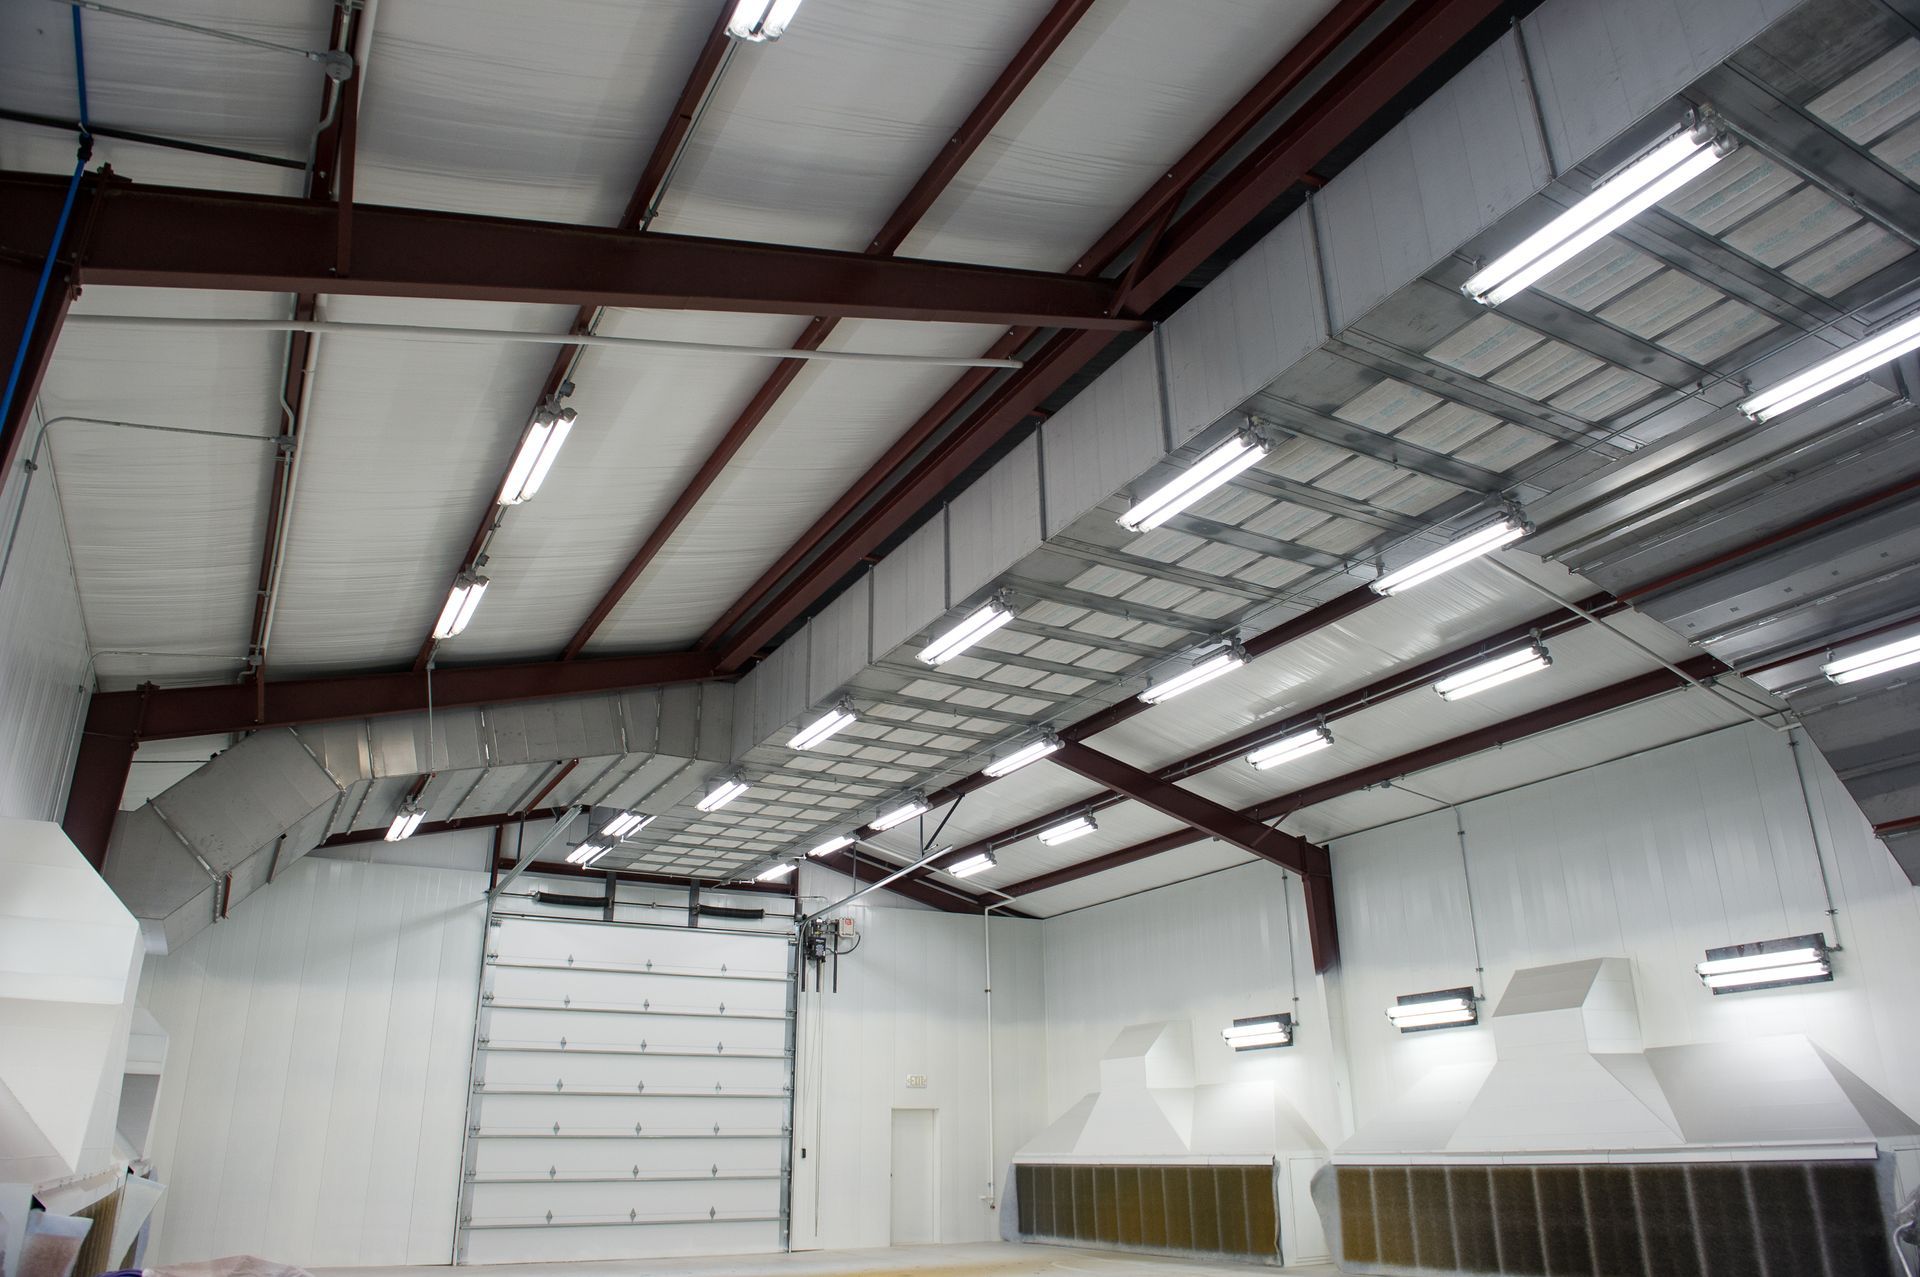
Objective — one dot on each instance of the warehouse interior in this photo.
(869, 636)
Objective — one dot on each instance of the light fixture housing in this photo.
(626, 824)
(1215, 467)
(910, 806)
(406, 821)
(1504, 668)
(976, 625)
(979, 862)
(1441, 1009)
(1260, 1032)
(539, 446)
(589, 852)
(1031, 752)
(1874, 661)
(836, 843)
(835, 720)
(1767, 964)
(1631, 189)
(758, 21)
(1225, 661)
(1288, 748)
(774, 873)
(1068, 830)
(462, 602)
(723, 793)
(1481, 541)
(1856, 360)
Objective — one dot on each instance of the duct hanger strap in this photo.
(337, 63)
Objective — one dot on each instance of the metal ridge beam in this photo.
(170, 237)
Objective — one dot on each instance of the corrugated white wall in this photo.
(45, 674)
(1654, 859)
(317, 1065)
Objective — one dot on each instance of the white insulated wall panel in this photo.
(910, 586)
(837, 640)
(45, 674)
(316, 1073)
(1110, 435)
(996, 522)
(1262, 315)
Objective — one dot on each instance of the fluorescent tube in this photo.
(759, 20)
(1501, 669)
(1068, 830)
(1214, 468)
(1031, 752)
(1205, 672)
(1862, 357)
(907, 810)
(1256, 1032)
(722, 794)
(979, 623)
(840, 716)
(1876, 660)
(1288, 748)
(832, 845)
(1767, 964)
(1632, 189)
(774, 873)
(1465, 550)
(1412, 1012)
(972, 865)
(406, 821)
(462, 602)
(626, 824)
(589, 852)
(538, 449)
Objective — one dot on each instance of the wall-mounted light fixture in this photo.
(1767, 964)
(1441, 1009)
(1259, 1032)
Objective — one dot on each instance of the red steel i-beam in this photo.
(1019, 72)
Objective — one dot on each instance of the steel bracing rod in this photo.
(520, 866)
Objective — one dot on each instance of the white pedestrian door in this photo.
(913, 1178)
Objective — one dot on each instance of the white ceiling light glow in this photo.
(761, 20)
(979, 862)
(462, 602)
(1483, 541)
(774, 873)
(1068, 830)
(1288, 748)
(839, 842)
(1445, 1009)
(408, 820)
(909, 807)
(626, 824)
(1631, 190)
(723, 793)
(589, 852)
(979, 623)
(828, 724)
(1204, 672)
(538, 448)
(1504, 668)
(1031, 752)
(1875, 660)
(1830, 374)
(1767, 964)
(1214, 468)
(1256, 1033)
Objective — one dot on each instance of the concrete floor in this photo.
(996, 1259)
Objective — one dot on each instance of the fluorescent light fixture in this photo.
(538, 447)
(831, 845)
(774, 873)
(840, 716)
(1288, 748)
(761, 20)
(979, 623)
(1468, 548)
(1767, 964)
(1503, 668)
(976, 863)
(1205, 672)
(723, 793)
(1068, 830)
(1875, 660)
(408, 820)
(589, 852)
(626, 824)
(1259, 1032)
(462, 602)
(1214, 468)
(1632, 189)
(1445, 1009)
(911, 806)
(1031, 752)
(1862, 357)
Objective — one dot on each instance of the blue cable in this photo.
(59, 230)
